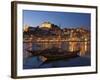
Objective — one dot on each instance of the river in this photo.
(31, 62)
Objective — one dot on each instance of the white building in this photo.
(46, 25)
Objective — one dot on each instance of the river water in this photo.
(31, 62)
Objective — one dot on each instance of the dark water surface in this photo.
(32, 62)
(35, 62)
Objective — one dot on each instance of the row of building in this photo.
(48, 30)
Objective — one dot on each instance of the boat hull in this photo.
(59, 57)
(54, 54)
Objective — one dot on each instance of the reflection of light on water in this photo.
(73, 46)
(70, 46)
(85, 44)
(84, 47)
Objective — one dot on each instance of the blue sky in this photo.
(63, 19)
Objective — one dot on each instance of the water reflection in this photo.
(34, 61)
(83, 46)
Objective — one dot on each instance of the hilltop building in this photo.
(46, 25)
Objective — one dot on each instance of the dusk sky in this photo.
(63, 19)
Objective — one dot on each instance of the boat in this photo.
(54, 53)
(35, 52)
(58, 54)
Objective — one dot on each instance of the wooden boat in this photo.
(54, 54)
(59, 55)
(34, 53)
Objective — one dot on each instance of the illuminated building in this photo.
(46, 25)
(26, 28)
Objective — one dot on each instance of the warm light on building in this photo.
(46, 25)
(71, 39)
(26, 28)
